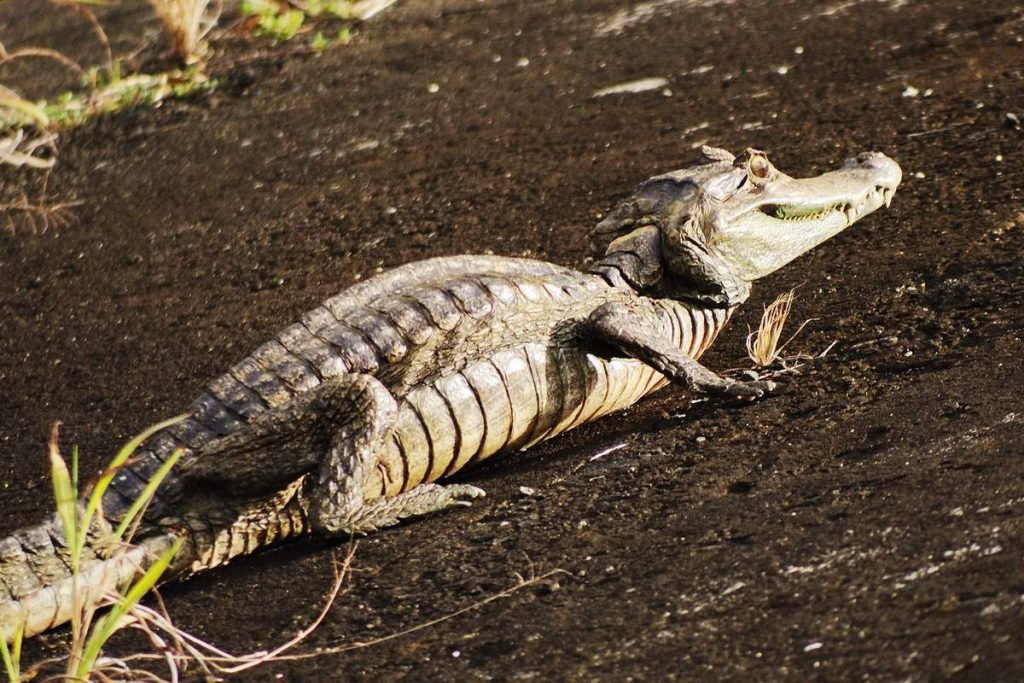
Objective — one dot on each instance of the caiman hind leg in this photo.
(338, 502)
(333, 434)
(633, 333)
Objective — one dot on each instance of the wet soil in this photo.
(868, 522)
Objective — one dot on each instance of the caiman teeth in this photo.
(851, 213)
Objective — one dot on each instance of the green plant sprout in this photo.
(275, 21)
(88, 633)
(282, 22)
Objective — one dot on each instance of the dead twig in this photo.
(101, 35)
(943, 129)
(522, 583)
(19, 148)
(45, 53)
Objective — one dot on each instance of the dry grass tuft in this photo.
(37, 217)
(763, 344)
(188, 22)
(180, 648)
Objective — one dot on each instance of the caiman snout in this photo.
(886, 173)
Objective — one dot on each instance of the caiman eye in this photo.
(759, 166)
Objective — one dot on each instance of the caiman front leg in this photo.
(333, 434)
(635, 334)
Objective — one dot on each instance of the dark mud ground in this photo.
(866, 523)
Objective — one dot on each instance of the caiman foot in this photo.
(742, 390)
(636, 334)
(384, 512)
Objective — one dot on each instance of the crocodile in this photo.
(348, 420)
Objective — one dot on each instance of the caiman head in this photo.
(706, 232)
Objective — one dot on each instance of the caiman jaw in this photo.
(852, 210)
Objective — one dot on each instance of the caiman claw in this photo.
(746, 391)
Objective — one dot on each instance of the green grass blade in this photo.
(11, 656)
(109, 623)
(139, 504)
(96, 497)
(9, 667)
(19, 638)
(11, 659)
(74, 467)
(65, 495)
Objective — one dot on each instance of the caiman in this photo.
(345, 422)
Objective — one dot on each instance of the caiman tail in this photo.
(39, 592)
(37, 589)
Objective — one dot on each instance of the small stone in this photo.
(527, 490)
(433, 87)
(633, 87)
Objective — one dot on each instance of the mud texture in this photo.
(866, 523)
